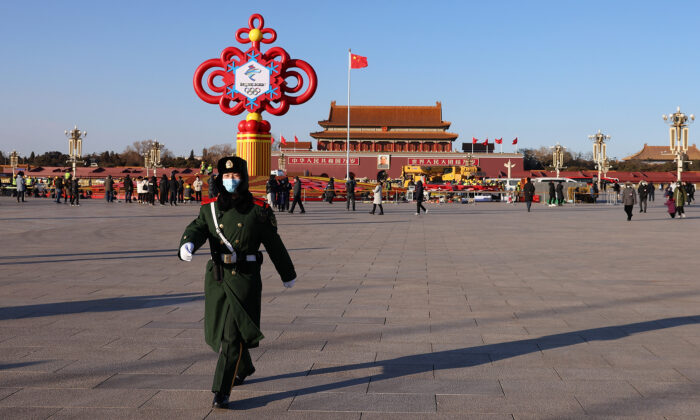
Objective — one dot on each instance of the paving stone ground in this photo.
(471, 311)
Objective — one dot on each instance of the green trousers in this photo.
(234, 358)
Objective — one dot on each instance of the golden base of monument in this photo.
(256, 149)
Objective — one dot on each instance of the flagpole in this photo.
(347, 141)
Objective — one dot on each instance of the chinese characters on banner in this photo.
(443, 162)
(322, 161)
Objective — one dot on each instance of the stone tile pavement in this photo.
(469, 312)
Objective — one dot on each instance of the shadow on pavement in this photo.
(97, 305)
(19, 365)
(460, 358)
(80, 254)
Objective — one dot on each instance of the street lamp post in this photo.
(600, 156)
(510, 166)
(14, 161)
(75, 146)
(147, 161)
(282, 163)
(558, 157)
(155, 157)
(679, 137)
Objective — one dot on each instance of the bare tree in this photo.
(214, 153)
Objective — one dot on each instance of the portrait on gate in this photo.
(383, 162)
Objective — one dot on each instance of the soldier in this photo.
(235, 225)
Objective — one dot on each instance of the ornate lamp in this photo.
(678, 134)
(600, 155)
(75, 146)
(14, 160)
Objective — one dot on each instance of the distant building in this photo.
(386, 138)
(661, 154)
(296, 146)
(385, 129)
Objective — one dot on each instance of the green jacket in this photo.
(679, 196)
(240, 287)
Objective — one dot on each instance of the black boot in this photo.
(220, 400)
(239, 379)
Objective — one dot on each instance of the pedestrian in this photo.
(594, 192)
(350, 185)
(187, 193)
(211, 184)
(75, 192)
(650, 191)
(270, 190)
(235, 225)
(420, 197)
(642, 191)
(139, 189)
(629, 199)
(330, 190)
(668, 192)
(680, 197)
(197, 187)
(296, 193)
(671, 207)
(180, 190)
(616, 188)
(552, 194)
(286, 188)
(529, 192)
(152, 188)
(377, 201)
(280, 193)
(560, 193)
(21, 186)
(128, 188)
(690, 191)
(58, 188)
(68, 183)
(163, 187)
(109, 189)
(174, 185)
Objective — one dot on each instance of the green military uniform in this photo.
(232, 288)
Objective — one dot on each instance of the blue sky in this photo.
(544, 71)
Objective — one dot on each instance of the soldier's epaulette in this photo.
(260, 202)
(207, 200)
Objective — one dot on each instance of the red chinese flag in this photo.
(515, 140)
(357, 61)
(499, 141)
(272, 140)
(486, 142)
(283, 140)
(296, 140)
(474, 140)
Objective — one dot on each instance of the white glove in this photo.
(186, 251)
(289, 284)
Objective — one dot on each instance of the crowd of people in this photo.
(281, 192)
(143, 190)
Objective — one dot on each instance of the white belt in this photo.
(231, 258)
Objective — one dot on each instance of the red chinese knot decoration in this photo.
(254, 81)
